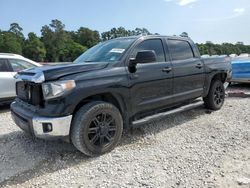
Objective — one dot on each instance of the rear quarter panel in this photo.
(215, 66)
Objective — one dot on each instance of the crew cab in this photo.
(114, 85)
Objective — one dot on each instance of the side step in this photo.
(195, 104)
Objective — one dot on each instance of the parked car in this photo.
(215, 56)
(233, 55)
(10, 64)
(205, 56)
(114, 85)
(224, 55)
(241, 70)
(244, 55)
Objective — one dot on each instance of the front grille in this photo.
(29, 92)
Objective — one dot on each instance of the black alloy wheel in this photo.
(219, 95)
(216, 96)
(101, 130)
(96, 128)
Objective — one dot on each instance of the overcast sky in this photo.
(205, 20)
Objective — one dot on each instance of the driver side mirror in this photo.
(145, 56)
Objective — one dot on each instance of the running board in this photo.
(147, 119)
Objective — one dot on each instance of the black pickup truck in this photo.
(117, 84)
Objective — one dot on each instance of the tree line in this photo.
(223, 49)
(59, 45)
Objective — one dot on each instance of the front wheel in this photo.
(216, 96)
(97, 128)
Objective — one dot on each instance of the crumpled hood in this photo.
(53, 72)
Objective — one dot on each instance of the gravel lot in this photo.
(191, 149)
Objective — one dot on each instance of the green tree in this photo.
(17, 30)
(34, 48)
(184, 34)
(140, 31)
(86, 37)
(115, 33)
(72, 50)
(54, 38)
(203, 49)
(122, 32)
(225, 48)
(9, 43)
(59, 43)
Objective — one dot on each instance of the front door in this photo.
(151, 84)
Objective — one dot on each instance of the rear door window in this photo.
(180, 50)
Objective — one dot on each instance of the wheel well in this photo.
(106, 97)
(220, 76)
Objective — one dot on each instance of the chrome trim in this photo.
(38, 76)
(60, 126)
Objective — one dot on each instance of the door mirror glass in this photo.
(145, 56)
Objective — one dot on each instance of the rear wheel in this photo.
(97, 128)
(216, 96)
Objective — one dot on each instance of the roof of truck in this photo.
(156, 36)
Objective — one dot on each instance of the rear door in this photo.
(7, 81)
(152, 85)
(189, 75)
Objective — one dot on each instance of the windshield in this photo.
(110, 51)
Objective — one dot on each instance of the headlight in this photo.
(56, 89)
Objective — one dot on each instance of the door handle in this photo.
(199, 66)
(167, 69)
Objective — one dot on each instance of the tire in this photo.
(96, 128)
(216, 96)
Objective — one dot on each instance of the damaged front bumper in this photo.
(41, 127)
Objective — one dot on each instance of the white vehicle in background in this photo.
(233, 55)
(10, 64)
(215, 56)
(244, 55)
(205, 56)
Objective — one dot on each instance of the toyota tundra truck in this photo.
(120, 83)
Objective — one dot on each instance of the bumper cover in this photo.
(40, 127)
